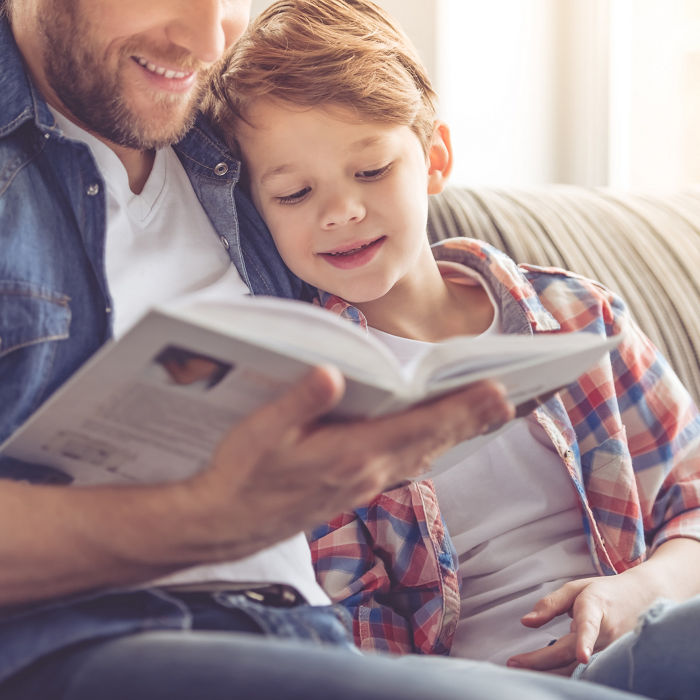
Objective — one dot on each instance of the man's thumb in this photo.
(316, 393)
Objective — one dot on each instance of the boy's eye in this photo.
(294, 197)
(373, 174)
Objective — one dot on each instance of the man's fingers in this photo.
(417, 436)
(311, 397)
(526, 408)
(478, 409)
(316, 393)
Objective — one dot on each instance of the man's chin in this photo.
(152, 134)
(164, 126)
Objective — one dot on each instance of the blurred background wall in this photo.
(589, 92)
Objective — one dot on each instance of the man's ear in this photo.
(439, 158)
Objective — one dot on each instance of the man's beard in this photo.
(93, 94)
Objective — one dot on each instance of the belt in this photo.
(275, 595)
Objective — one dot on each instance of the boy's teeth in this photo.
(159, 70)
(350, 252)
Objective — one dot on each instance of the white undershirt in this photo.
(513, 516)
(161, 245)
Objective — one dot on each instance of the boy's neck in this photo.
(430, 309)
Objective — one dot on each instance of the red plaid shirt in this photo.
(627, 432)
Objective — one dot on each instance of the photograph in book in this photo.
(153, 405)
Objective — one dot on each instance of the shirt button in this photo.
(93, 189)
(224, 242)
(221, 168)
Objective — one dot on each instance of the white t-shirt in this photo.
(161, 245)
(513, 516)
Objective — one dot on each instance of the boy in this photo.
(334, 118)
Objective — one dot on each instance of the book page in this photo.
(299, 329)
(527, 365)
(153, 406)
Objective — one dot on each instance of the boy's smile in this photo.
(346, 200)
(347, 257)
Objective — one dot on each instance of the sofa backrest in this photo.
(645, 247)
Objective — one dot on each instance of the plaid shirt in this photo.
(627, 432)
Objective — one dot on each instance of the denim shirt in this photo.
(55, 306)
(54, 301)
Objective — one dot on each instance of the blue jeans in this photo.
(659, 659)
(237, 649)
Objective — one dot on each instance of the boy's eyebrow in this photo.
(288, 167)
(364, 142)
(273, 172)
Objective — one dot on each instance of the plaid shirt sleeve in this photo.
(637, 429)
(393, 566)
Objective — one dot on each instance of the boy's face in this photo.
(346, 201)
(130, 71)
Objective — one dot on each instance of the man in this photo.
(99, 219)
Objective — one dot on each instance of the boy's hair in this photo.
(347, 53)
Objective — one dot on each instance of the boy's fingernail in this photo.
(512, 663)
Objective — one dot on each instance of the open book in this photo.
(153, 405)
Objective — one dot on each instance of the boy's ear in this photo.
(439, 158)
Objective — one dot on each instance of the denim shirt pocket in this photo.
(31, 316)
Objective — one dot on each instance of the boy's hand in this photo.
(603, 608)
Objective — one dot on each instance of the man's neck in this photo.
(138, 164)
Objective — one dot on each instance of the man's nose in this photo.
(205, 28)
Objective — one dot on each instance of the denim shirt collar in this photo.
(21, 101)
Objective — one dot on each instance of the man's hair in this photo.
(346, 53)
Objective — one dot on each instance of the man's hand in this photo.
(279, 471)
(283, 470)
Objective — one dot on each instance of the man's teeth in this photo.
(159, 70)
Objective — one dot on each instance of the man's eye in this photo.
(294, 197)
(373, 174)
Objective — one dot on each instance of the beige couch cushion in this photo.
(645, 247)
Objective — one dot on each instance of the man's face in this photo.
(133, 71)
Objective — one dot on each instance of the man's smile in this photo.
(161, 70)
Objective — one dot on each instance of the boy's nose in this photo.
(205, 28)
(342, 210)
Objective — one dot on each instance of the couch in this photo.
(645, 247)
